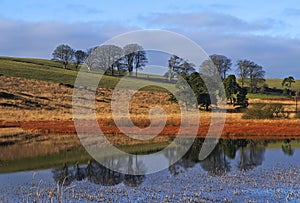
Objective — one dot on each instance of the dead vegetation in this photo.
(23, 101)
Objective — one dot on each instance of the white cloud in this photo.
(40, 39)
(216, 33)
(205, 21)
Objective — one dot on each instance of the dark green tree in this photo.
(287, 83)
(231, 88)
(241, 97)
(201, 92)
(80, 57)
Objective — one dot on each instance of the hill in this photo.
(51, 71)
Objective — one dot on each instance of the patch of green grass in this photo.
(278, 144)
(276, 82)
(36, 71)
(51, 71)
(264, 96)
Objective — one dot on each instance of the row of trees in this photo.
(218, 65)
(133, 57)
(114, 60)
(247, 70)
(106, 57)
(65, 54)
(111, 57)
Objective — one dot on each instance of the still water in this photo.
(236, 171)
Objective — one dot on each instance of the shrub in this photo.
(266, 111)
(297, 115)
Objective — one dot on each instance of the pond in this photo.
(236, 171)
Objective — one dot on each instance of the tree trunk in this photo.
(186, 105)
(112, 70)
(169, 76)
(136, 68)
(136, 72)
(206, 107)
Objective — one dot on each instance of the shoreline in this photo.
(242, 129)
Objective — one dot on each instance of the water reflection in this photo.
(98, 174)
(287, 147)
(251, 155)
(241, 154)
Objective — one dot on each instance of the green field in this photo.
(276, 82)
(51, 71)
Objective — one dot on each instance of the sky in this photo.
(266, 32)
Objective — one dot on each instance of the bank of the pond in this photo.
(234, 129)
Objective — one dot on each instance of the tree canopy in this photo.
(64, 54)
(80, 57)
(135, 57)
(178, 66)
(249, 70)
(222, 63)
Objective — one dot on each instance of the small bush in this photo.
(297, 115)
(266, 111)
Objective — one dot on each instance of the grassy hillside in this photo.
(38, 69)
(51, 71)
(276, 82)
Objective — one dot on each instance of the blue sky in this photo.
(267, 32)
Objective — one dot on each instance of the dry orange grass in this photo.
(32, 100)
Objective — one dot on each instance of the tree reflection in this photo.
(245, 154)
(187, 161)
(287, 148)
(63, 176)
(99, 174)
(251, 155)
(216, 163)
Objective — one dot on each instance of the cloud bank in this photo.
(215, 32)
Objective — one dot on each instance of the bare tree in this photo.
(256, 75)
(135, 57)
(243, 69)
(173, 64)
(178, 66)
(222, 63)
(249, 69)
(104, 58)
(90, 60)
(64, 54)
